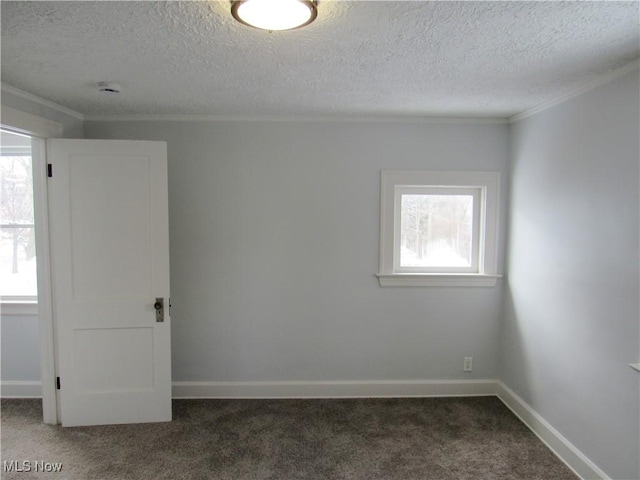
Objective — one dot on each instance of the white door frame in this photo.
(41, 129)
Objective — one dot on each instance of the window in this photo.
(17, 227)
(438, 228)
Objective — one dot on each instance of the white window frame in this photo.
(38, 129)
(484, 186)
(21, 304)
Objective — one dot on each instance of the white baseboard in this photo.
(563, 448)
(336, 389)
(20, 389)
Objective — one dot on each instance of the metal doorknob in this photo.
(159, 306)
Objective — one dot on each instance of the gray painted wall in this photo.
(274, 231)
(571, 302)
(20, 348)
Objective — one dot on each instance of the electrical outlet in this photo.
(468, 364)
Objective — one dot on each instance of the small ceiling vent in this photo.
(109, 88)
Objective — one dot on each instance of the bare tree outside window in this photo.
(436, 230)
(17, 229)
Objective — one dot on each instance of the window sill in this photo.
(437, 280)
(18, 308)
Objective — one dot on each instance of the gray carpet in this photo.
(363, 439)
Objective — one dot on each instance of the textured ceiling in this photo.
(416, 58)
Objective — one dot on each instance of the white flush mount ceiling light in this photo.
(274, 14)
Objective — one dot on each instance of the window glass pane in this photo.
(18, 262)
(436, 230)
(17, 232)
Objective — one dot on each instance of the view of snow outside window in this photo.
(17, 229)
(436, 230)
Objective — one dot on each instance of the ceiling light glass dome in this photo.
(274, 14)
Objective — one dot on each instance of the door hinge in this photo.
(49, 170)
(58, 383)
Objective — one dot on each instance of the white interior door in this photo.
(108, 220)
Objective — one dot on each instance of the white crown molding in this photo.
(602, 80)
(296, 118)
(563, 448)
(39, 100)
(598, 82)
(335, 389)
